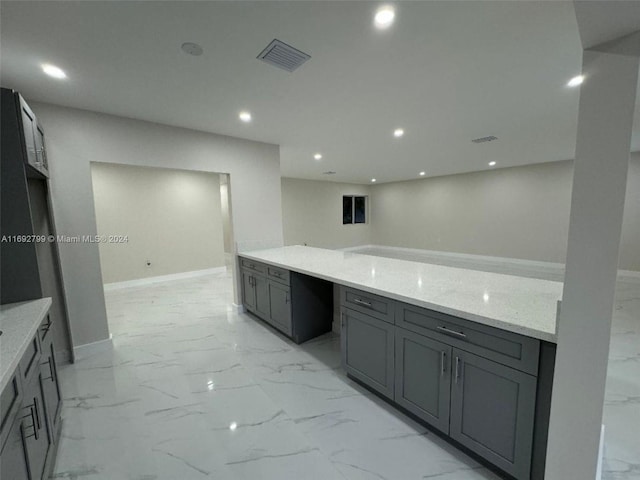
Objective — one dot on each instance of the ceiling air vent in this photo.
(330, 172)
(283, 56)
(490, 138)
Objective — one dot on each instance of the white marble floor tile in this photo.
(193, 390)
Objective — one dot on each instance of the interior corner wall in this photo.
(312, 214)
(75, 138)
(172, 221)
(518, 212)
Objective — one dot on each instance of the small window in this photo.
(354, 209)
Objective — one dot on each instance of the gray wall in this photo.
(172, 219)
(312, 214)
(520, 212)
(77, 137)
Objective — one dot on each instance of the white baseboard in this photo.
(512, 266)
(163, 278)
(88, 349)
(234, 307)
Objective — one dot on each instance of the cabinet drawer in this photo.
(278, 274)
(253, 265)
(511, 349)
(10, 399)
(374, 305)
(29, 362)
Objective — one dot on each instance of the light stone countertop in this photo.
(517, 304)
(19, 323)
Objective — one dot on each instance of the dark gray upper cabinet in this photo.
(368, 350)
(13, 456)
(280, 306)
(492, 412)
(33, 137)
(423, 377)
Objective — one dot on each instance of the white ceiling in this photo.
(447, 72)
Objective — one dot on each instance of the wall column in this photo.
(605, 118)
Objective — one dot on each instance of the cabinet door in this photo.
(248, 291)
(492, 412)
(41, 153)
(50, 386)
(423, 377)
(368, 350)
(13, 459)
(262, 296)
(35, 431)
(28, 128)
(280, 307)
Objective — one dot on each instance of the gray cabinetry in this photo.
(13, 458)
(280, 306)
(35, 430)
(368, 350)
(492, 412)
(30, 421)
(423, 377)
(297, 305)
(255, 292)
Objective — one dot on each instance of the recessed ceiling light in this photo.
(575, 81)
(233, 426)
(318, 156)
(192, 49)
(491, 164)
(384, 17)
(398, 132)
(373, 180)
(245, 117)
(422, 174)
(53, 71)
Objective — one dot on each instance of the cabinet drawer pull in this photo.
(457, 369)
(443, 359)
(34, 425)
(451, 332)
(359, 301)
(50, 377)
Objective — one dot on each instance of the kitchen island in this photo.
(470, 354)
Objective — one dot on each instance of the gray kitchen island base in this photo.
(486, 390)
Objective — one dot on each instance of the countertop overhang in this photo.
(520, 305)
(19, 323)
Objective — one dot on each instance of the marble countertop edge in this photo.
(19, 323)
(548, 334)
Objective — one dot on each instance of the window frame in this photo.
(352, 198)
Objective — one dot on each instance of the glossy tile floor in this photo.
(192, 390)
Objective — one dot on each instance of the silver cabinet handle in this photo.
(443, 359)
(286, 297)
(362, 302)
(452, 332)
(342, 320)
(457, 369)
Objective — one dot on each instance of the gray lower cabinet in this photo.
(492, 412)
(13, 457)
(35, 429)
(423, 377)
(368, 350)
(50, 385)
(255, 293)
(30, 421)
(280, 306)
(248, 290)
